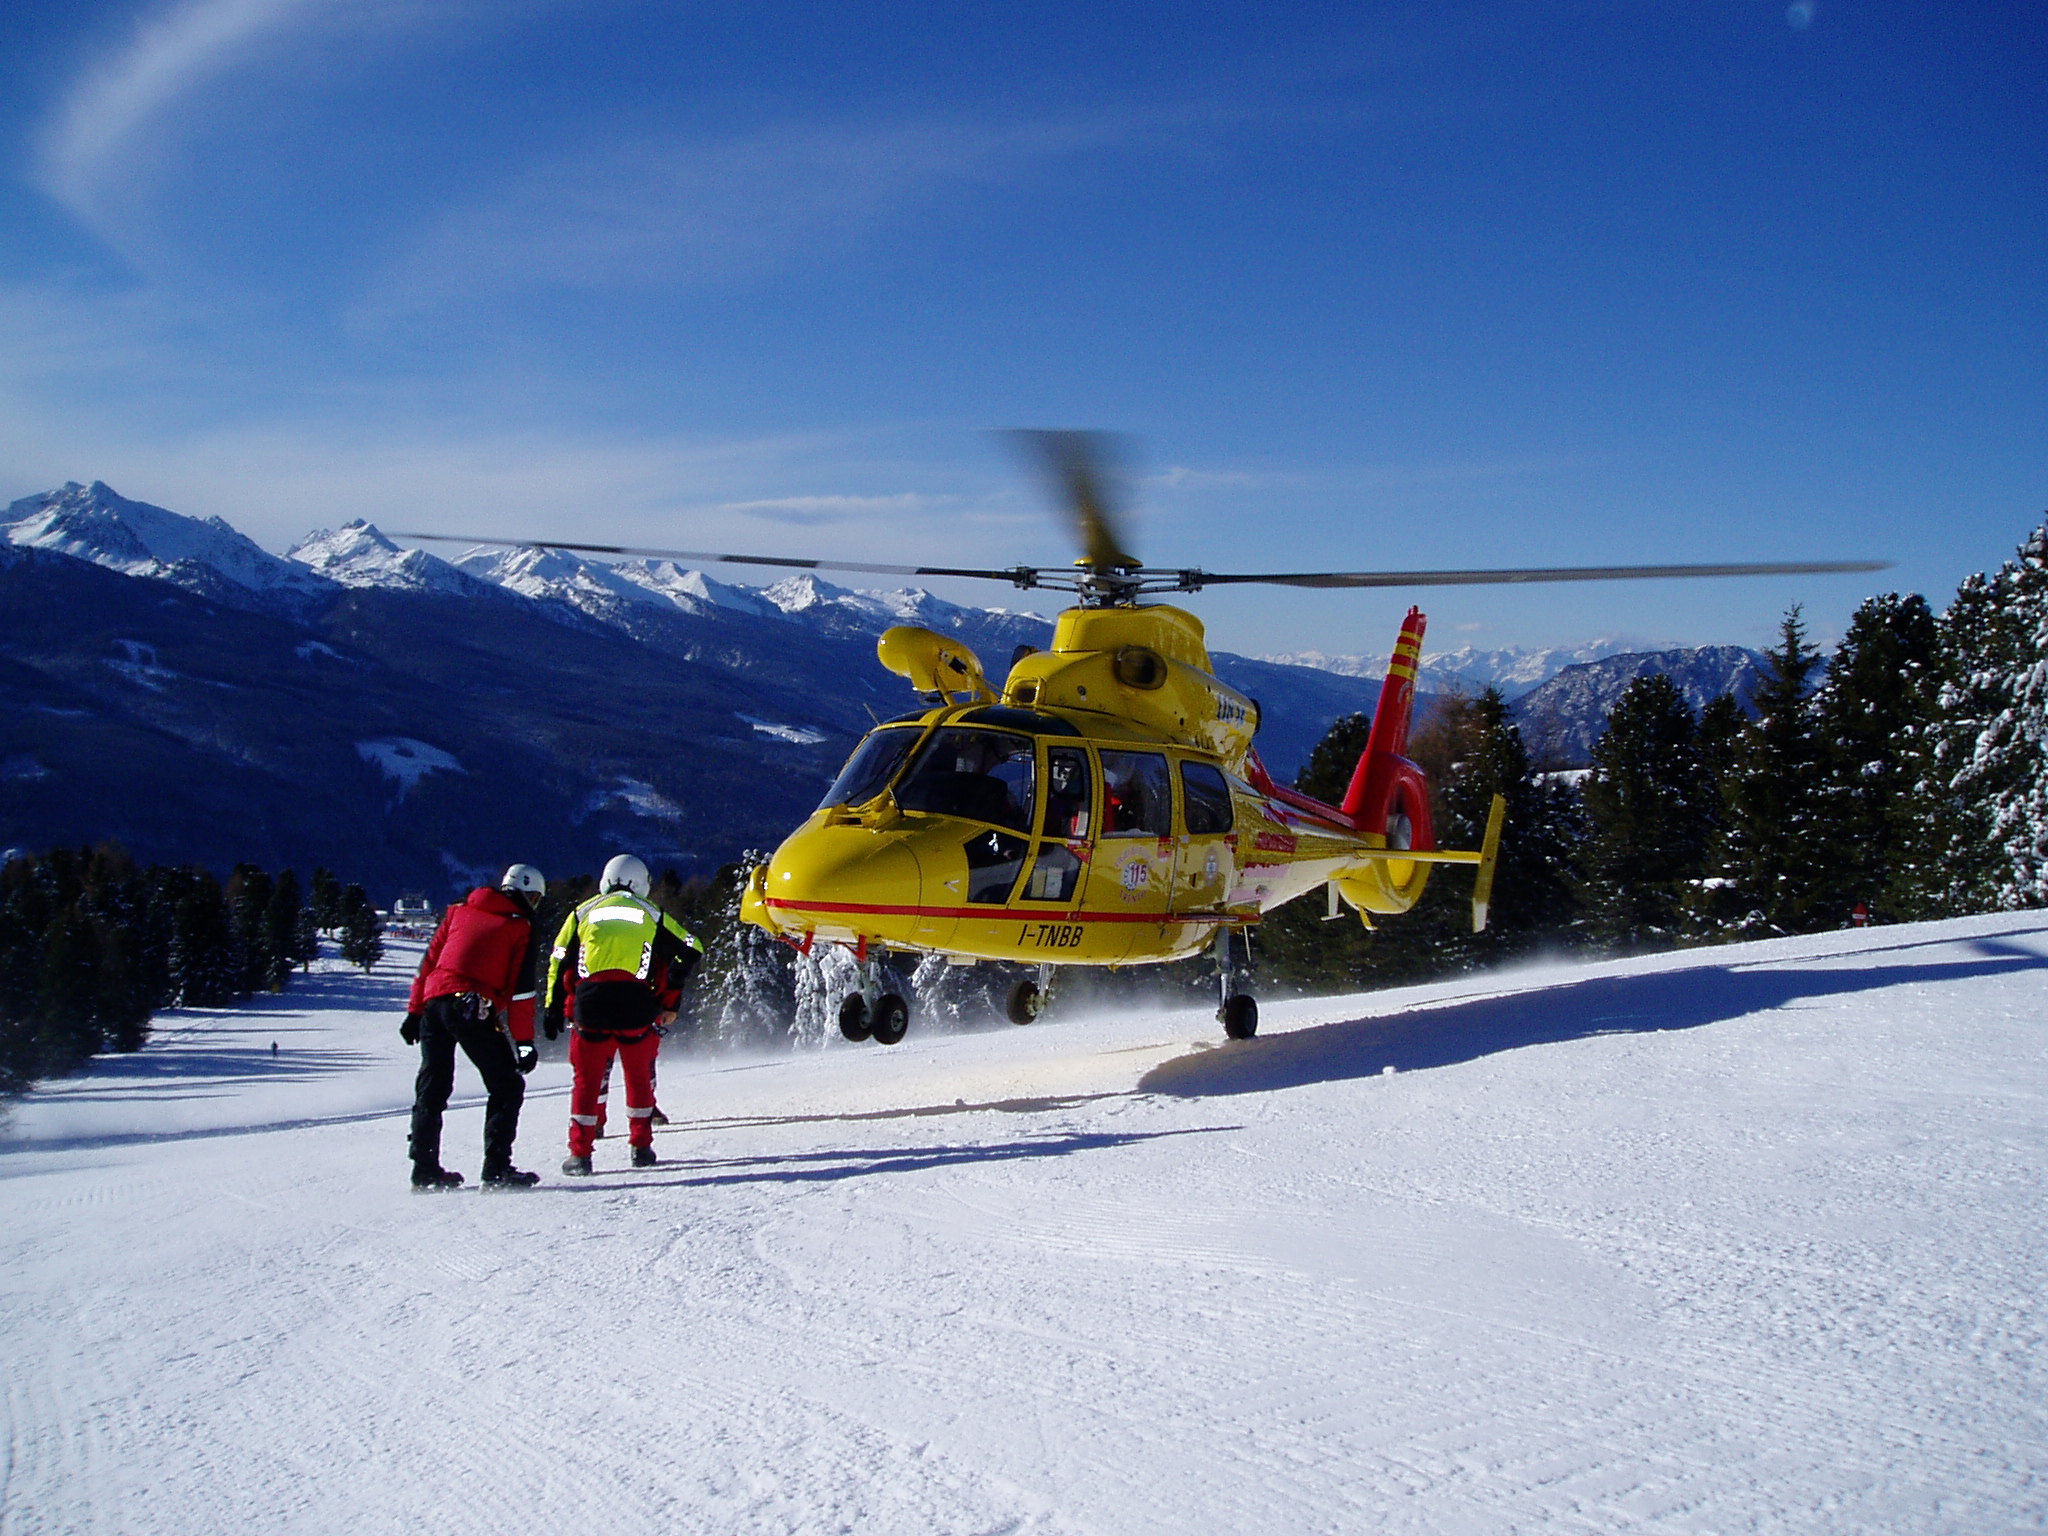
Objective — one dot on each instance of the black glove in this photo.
(551, 1023)
(529, 1057)
(409, 1031)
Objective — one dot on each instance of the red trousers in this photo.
(591, 1060)
(604, 1086)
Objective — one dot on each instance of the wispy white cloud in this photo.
(813, 511)
(652, 212)
(170, 52)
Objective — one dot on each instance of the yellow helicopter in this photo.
(1106, 805)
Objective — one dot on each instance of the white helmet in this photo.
(626, 873)
(524, 877)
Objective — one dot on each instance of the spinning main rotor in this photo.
(1107, 577)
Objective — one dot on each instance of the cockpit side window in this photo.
(1137, 795)
(873, 764)
(983, 775)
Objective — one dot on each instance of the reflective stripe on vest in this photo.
(618, 935)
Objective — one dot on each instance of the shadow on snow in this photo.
(861, 1163)
(1447, 1034)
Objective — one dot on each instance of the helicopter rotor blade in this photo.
(1022, 575)
(1195, 580)
(1080, 469)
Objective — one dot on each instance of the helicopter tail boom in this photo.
(1386, 787)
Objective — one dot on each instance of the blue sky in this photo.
(1371, 285)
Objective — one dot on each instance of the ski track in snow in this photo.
(1739, 1240)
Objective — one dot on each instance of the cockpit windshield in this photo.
(872, 766)
(983, 775)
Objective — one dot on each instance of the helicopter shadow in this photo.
(1455, 1033)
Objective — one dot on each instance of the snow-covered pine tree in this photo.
(1869, 712)
(1650, 811)
(1776, 847)
(2007, 770)
(744, 992)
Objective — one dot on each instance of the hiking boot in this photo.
(510, 1178)
(435, 1178)
(576, 1167)
(657, 1117)
(643, 1157)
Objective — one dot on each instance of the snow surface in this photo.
(1745, 1239)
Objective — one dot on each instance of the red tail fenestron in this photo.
(1388, 793)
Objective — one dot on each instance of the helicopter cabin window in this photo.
(1137, 795)
(981, 775)
(1068, 791)
(872, 766)
(1205, 797)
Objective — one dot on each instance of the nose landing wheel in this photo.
(871, 1013)
(890, 1020)
(853, 1017)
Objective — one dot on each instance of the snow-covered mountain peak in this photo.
(692, 589)
(357, 554)
(1514, 670)
(798, 594)
(95, 522)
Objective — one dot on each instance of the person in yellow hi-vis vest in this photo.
(617, 974)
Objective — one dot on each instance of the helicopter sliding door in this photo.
(1208, 851)
(1131, 873)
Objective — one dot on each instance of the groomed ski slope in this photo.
(1745, 1239)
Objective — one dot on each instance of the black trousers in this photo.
(445, 1024)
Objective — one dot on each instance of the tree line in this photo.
(1906, 779)
(93, 946)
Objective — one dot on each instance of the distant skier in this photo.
(475, 989)
(628, 960)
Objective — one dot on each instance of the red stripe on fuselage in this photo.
(1006, 914)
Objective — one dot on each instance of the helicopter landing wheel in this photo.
(1239, 1015)
(890, 1020)
(853, 1017)
(1025, 1002)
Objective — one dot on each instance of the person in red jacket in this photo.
(475, 989)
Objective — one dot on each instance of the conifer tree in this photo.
(745, 989)
(282, 941)
(2007, 772)
(1776, 848)
(362, 931)
(1868, 712)
(248, 895)
(203, 958)
(68, 1021)
(325, 899)
(1649, 807)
